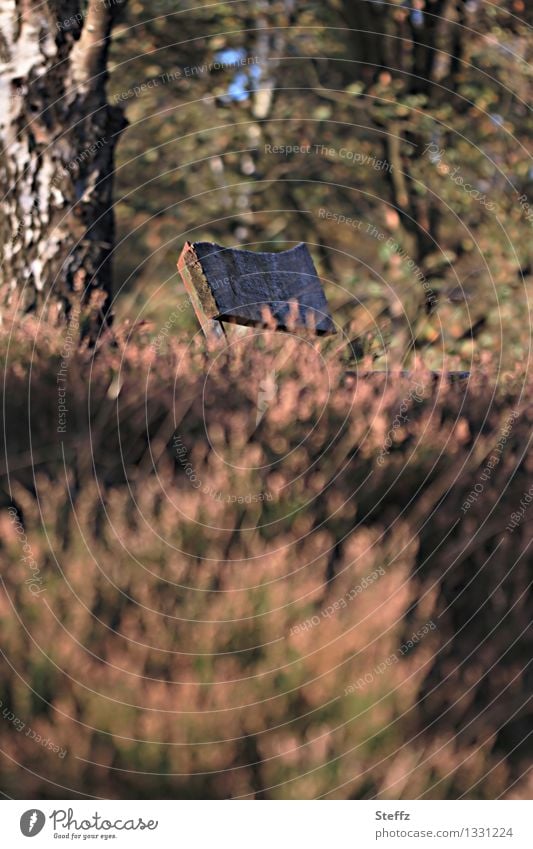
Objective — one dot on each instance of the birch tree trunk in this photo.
(58, 135)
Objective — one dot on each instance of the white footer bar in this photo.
(268, 825)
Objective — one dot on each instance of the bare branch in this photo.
(89, 56)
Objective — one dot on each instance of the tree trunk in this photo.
(58, 136)
(369, 26)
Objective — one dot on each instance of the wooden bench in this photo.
(248, 289)
(228, 286)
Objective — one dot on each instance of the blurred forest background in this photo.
(373, 85)
(246, 638)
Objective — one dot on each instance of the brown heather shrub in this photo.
(168, 651)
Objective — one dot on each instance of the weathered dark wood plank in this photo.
(236, 286)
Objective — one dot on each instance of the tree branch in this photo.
(89, 55)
